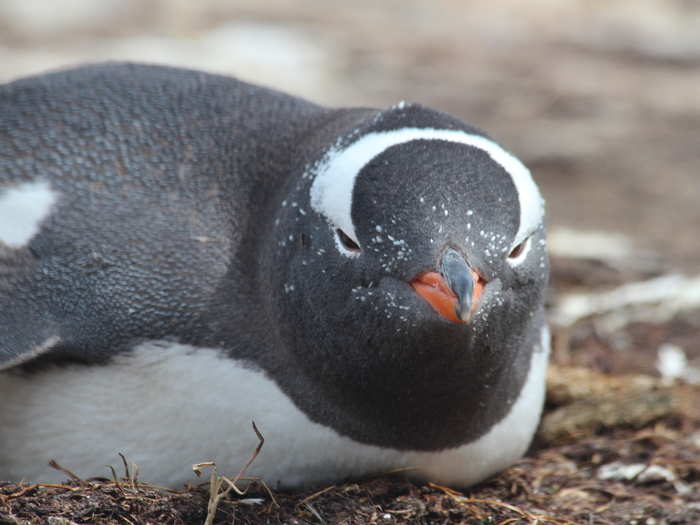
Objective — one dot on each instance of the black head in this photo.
(409, 272)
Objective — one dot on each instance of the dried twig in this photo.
(216, 480)
(523, 514)
(316, 495)
(656, 300)
(54, 465)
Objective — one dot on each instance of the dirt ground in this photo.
(601, 100)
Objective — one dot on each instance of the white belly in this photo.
(167, 406)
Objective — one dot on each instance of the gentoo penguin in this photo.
(182, 254)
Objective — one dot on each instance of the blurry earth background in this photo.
(601, 99)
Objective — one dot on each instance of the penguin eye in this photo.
(347, 242)
(518, 252)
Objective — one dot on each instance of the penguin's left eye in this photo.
(518, 250)
(347, 242)
(517, 254)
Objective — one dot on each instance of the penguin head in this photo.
(414, 249)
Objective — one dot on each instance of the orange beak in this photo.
(432, 287)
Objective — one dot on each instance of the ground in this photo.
(602, 102)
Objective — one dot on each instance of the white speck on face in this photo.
(22, 209)
(470, 212)
(378, 228)
(446, 213)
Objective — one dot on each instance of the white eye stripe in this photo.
(334, 181)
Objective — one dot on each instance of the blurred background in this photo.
(600, 98)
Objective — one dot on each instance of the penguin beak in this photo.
(454, 291)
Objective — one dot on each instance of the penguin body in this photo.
(182, 254)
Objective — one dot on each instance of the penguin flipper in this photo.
(10, 358)
(22, 336)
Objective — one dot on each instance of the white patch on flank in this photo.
(332, 189)
(22, 209)
(166, 406)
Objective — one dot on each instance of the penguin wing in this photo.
(23, 336)
(118, 210)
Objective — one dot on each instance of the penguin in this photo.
(183, 254)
